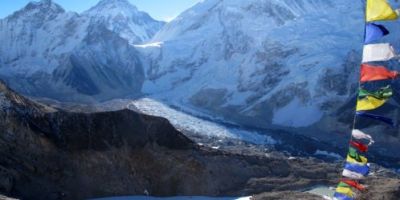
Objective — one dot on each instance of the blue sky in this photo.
(158, 9)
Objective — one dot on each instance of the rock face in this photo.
(53, 154)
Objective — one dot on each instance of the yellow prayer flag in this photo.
(345, 190)
(363, 160)
(369, 103)
(378, 10)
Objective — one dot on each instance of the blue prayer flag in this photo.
(360, 169)
(340, 196)
(374, 32)
(376, 117)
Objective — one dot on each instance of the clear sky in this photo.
(158, 9)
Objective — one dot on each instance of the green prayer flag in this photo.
(383, 93)
(354, 157)
(354, 154)
(342, 184)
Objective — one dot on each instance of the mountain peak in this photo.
(122, 17)
(44, 4)
(107, 5)
(40, 8)
(104, 2)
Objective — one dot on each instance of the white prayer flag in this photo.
(352, 175)
(359, 135)
(378, 52)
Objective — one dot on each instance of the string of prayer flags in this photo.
(378, 52)
(374, 32)
(378, 10)
(356, 166)
(376, 73)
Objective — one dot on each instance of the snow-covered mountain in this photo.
(281, 62)
(125, 19)
(45, 51)
(258, 63)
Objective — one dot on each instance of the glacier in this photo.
(196, 126)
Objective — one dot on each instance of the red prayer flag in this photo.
(358, 145)
(354, 184)
(376, 73)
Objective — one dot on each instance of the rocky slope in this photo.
(379, 188)
(47, 153)
(53, 154)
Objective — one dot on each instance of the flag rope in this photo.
(356, 166)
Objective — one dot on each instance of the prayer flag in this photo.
(354, 184)
(374, 32)
(383, 93)
(360, 169)
(379, 10)
(343, 184)
(354, 157)
(376, 117)
(359, 146)
(376, 73)
(369, 103)
(352, 175)
(378, 52)
(345, 190)
(339, 196)
(359, 135)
